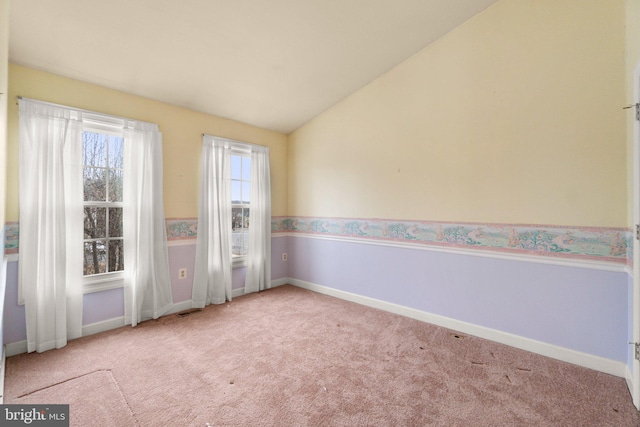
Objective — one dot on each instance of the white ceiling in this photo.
(270, 63)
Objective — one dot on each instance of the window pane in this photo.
(246, 192)
(236, 218)
(94, 148)
(95, 257)
(115, 222)
(116, 255)
(235, 167)
(246, 168)
(116, 144)
(245, 215)
(115, 185)
(240, 242)
(95, 185)
(236, 188)
(95, 222)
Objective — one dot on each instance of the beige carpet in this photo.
(291, 357)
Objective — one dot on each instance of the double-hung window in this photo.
(104, 258)
(240, 205)
(234, 220)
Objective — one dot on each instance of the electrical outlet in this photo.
(182, 273)
(284, 256)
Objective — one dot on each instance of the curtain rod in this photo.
(233, 141)
(80, 110)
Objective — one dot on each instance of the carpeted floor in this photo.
(291, 357)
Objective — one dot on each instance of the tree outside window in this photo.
(240, 204)
(103, 237)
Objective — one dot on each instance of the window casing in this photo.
(104, 258)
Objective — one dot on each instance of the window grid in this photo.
(104, 251)
(240, 205)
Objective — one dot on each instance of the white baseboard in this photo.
(179, 306)
(4, 358)
(274, 283)
(628, 378)
(20, 347)
(280, 282)
(609, 366)
(15, 348)
(105, 325)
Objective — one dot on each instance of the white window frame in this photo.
(114, 279)
(241, 150)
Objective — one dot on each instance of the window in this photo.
(102, 179)
(240, 205)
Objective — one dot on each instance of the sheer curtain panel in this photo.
(147, 283)
(258, 275)
(50, 256)
(212, 276)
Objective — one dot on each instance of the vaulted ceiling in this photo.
(275, 64)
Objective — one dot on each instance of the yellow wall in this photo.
(632, 26)
(513, 117)
(4, 62)
(181, 133)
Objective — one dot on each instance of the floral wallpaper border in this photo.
(606, 244)
(182, 228)
(11, 237)
(587, 243)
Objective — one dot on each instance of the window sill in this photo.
(99, 284)
(239, 262)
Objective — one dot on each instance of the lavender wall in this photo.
(15, 328)
(99, 306)
(183, 256)
(577, 308)
(279, 268)
(3, 283)
(630, 349)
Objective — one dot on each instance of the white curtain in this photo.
(258, 275)
(212, 276)
(147, 286)
(50, 257)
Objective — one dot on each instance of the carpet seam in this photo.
(126, 402)
(109, 371)
(62, 382)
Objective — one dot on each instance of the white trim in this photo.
(592, 264)
(280, 282)
(634, 384)
(182, 242)
(104, 325)
(117, 322)
(609, 366)
(238, 261)
(102, 282)
(2, 371)
(239, 147)
(274, 283)
(11, 257)
(15, 348)
(628, 376)
(20, 347)
(179, 306)
(94, 118)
